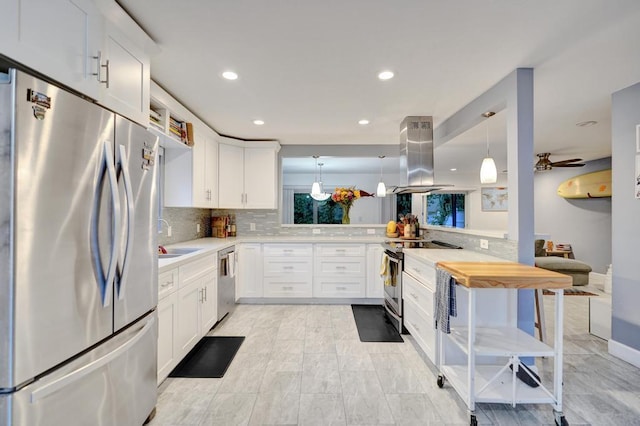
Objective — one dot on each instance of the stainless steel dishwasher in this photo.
(226, 281)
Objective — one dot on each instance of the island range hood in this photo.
(416, 156)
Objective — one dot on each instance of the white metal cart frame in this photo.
(495, 383)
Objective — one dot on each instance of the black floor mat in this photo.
(374, 325)
(210, 358)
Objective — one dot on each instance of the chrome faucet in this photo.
(168, 227)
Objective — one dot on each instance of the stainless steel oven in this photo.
(393, 293)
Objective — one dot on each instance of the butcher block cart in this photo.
(482, 356)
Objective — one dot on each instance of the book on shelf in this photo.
(190, 140)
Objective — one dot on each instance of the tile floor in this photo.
(304, 365)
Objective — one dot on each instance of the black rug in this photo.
(210, 358)
(374, 325)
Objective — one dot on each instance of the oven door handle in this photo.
(393, 259)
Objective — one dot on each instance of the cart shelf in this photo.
(501, 341)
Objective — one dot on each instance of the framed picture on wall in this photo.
(494, 199)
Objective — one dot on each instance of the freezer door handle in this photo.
(74, 376)
(131, 215)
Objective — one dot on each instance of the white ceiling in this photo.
(309, 68)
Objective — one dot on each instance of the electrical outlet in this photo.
(371, 231)
(197, 227)
(484, 244)
(315, 231)
(252, 226)
(168, 231)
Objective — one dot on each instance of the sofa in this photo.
(577, 270)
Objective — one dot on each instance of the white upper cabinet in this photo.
(247, 174)
(190, 174)
(124, 76)
(77, 44)
(58, 38)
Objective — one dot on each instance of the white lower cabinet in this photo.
(250, 275)
(418, 313)
(339, 270)
(375, 283)
(167, 334)
(187, 309)
(288, 270)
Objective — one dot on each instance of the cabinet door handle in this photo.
(166, 284)
(341, 267)
(414, 296)
(287, 267)
(341, 288)
(98, 59)
(288, 250)
(204, 290)
(415, 326)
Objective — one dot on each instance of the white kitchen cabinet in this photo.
(288, 270)
(249, 271)
(418, 294)
(247, 174)
(80, 44)
(375, 283)
(167, 334)
(190, 173)
(187, 309)
(189, 302)
(58, 38)
(339, 270)
(125, 70)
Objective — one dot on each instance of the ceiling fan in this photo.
(545, 164)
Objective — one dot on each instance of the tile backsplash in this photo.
(183, 224)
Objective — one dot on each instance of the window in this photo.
(446, 209)
(403, 204)
(306, 210)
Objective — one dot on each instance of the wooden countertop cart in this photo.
(482, 355)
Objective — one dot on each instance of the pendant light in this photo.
(381, 191)
(488, 170)
(315, 188)
(320, 195)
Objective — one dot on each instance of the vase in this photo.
(345, 214)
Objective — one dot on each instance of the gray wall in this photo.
(583, 223)
(625, 323)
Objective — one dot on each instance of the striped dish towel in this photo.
(445, 300)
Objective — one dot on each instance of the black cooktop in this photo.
(397, 246)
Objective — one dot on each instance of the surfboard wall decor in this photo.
(589, 185)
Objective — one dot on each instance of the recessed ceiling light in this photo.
(385, 75)
(230, 75)
(258, 122)
(453, 170)
(586, 123)
(363, 122)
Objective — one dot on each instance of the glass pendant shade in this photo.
(488, 171)
(381, 191)
(315, 188)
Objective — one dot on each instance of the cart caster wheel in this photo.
(474, 420)
(563, 421)
(440, 381)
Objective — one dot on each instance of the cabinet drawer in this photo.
(290, 286)
(421, 328)
(340, 250)
(277, 266)
(167, 283)
(421, 271)
(351, 266)
(422, 296)
(288, 250)
(339, 287)
(197, 268)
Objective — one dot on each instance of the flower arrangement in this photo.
(346, 197)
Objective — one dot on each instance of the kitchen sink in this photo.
(176, 252)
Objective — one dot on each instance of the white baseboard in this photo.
(624, 352)
(597, 280)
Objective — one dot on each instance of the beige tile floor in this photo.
(304, 365)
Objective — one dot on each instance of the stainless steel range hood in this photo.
(416, 156)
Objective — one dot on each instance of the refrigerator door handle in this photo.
(115, 221)
(78, 374)
(131, 210)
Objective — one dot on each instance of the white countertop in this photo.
(432, 256)
(212, 245)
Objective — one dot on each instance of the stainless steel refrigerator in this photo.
(78, 267)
